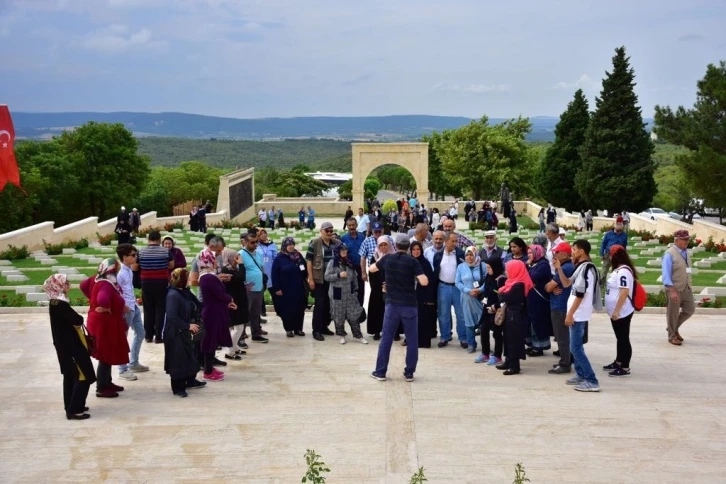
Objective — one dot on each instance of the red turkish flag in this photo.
(8, 166)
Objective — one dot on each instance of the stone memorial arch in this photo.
(369, 156)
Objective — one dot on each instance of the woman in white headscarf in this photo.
(66, 326)
(470, 282)
(376, 305)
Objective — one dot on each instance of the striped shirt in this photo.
(154, 261)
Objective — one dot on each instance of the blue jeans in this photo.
(583, 368)
(133, 319)
(450, 296)
(471, 336)
(408, 317)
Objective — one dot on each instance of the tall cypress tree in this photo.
(562, 161)
(617, 168)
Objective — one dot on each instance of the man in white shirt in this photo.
(421, 235)
(552, 232)
(132, 312)
(436, 247)
(445, 264)
(363, 221)
(584, 298)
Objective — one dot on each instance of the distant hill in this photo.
(181, 125)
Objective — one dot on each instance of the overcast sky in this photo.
(282, 58)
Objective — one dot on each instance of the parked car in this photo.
(652, 213)
(678, 216)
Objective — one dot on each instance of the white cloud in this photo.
(472, 88)
(118, 38)
(584, 82)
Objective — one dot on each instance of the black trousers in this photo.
(321, 311)
(178, 385)
(103, 376)
(153, 293)
(487, 325)
(621, 327)
(208, 363)
(361, 286)
(75, 392)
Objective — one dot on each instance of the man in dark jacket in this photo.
(445, 264)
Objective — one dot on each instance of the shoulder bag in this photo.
(264, 276)
(90, 342)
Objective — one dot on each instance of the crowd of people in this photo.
(425, 283)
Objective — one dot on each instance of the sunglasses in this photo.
(328, 231)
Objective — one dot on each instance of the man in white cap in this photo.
(320, 252)
(552, 232)
(122, 215)
(676, 272)
(490, 249)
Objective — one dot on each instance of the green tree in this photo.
(702, 130)
(110, 170)
(556, 177)
(345, 190)
(296, 184)
(617, 167)
(439, 184)
(478, 157)
(371, 187)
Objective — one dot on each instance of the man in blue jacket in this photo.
(615, 236)
(445, 264)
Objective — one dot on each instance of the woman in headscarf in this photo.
(343, 293)
(107, 324)
(235, 287)
(512, 299)
(180, 261)
(290, 274)
(215, 313)
(123, 231)
(538, 302)
(517, 250)
(376, 305)
(426, 297)
(66, 326)
(182, 319)
(470, 282)
(490, 302)
(194, 219)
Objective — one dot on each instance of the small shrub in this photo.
(79, 244)
(144, 232)
(55, 249)
(105, 239)
(12, 301)
(418, 477)
(80, 301)
(15, 253)
(707, 302)
(170, 226)
(52, 249)
(520, 475)
(294, 224)
(659, 300)
(316, 468)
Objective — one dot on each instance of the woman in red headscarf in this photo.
(107, 324)
(512, 297)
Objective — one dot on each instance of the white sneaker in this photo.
(342, 340)
(128, 376)
(363, 341)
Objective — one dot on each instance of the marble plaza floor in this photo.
(464, 423)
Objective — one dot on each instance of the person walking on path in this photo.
(343, 293)
(132, 312)
(402, 273)
(584, 299)
(616, 236)
(676, 272)
(619, 306)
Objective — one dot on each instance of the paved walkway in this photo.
(464, 423)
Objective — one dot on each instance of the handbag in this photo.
(197, 337)
(363, 315)
(264, 276)
(90, 342)
(499, 316)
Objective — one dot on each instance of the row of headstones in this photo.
(703, 263)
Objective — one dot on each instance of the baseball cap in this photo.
(402, 239)
(377, 226)
(619, 220)
(562, 247)
(326, 225)
(490, 233)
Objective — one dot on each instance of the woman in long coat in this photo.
(107, 324)
(343, 292)
(470, 281)
(490, 303)
(290, 275)
(180, 361)
(70, 347)
(215, 313)
(376, 305)
(538, 302)
(512, 298)
(235, 287)
(426, 297)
